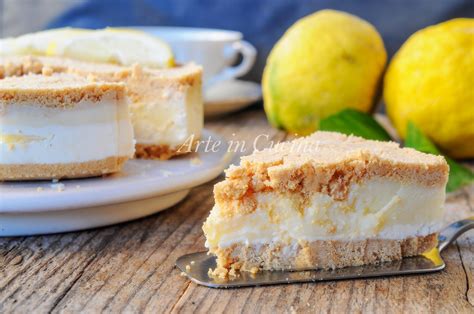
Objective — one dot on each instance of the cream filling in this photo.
(167, 116)
(378, 209)
(87, 131)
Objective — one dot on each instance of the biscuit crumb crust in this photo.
(319, 254)
(10, 172)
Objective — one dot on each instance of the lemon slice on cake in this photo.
(119, 46)
(110, 45)
(38, 43)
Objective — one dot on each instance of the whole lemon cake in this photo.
(165, 104)
(326, 201)
(62, 126)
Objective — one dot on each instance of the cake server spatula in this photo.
(196, 266)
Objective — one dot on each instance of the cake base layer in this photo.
(93, 168)
(163, 152)
(319, 254)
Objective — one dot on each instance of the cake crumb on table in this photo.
(16, 260)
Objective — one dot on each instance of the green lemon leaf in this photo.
(417, 140)
(350, 121)
(459, 175)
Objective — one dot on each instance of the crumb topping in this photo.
(188, 74)
(55, 90)
(331, 167)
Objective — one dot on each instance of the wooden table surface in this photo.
(130, 267)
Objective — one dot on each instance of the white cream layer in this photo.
(378, 208)
(168, 117)
(33, 134)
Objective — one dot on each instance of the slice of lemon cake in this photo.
(166, 104)
(62, 126)
(326, 201)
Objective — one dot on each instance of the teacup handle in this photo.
(249, 54)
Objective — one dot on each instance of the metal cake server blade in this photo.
(196, 266)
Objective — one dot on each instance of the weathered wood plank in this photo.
(134, 267)
(466, 248)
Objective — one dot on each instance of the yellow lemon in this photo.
(430, 82)
(325, 62)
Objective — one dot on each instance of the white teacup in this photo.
(216, 50)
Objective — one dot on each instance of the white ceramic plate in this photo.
(46, 222)
(143, 187)
(230, 96)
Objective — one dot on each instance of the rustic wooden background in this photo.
(130, 267)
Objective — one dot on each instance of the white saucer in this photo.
(143, 187)
(230, 96)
